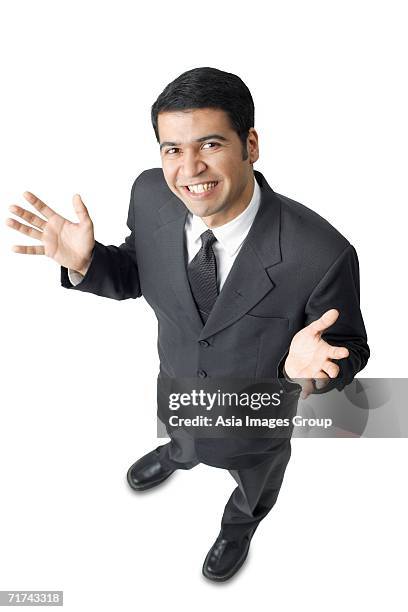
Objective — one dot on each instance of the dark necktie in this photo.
(202, 275)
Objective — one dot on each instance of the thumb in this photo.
(326, 320)
(81, 210)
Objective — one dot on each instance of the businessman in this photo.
(244, 282)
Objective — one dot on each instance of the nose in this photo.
(192, 165)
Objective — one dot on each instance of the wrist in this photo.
(285, 373)
(289, 370)
(84, 267)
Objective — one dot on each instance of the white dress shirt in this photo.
(230, 237)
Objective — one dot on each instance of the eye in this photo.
(211, 143)
(168, 151)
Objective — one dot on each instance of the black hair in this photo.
(209, 88)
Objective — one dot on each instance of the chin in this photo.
(205, 212)
(199, 212)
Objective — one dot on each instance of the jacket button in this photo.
(204, 343)
(202, 373)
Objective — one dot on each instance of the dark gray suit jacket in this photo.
(292, 267)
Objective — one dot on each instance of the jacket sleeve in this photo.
(113, 270)
(340, 288)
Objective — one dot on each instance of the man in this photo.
(244, 282)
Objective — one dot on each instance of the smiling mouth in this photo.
(200, 189)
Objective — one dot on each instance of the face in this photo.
(199, 147)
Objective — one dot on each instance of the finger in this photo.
(337, 352)
(28, 216)
(29, 250)
(332, 369)
(325, 321)
(307, 387)
(24, 229)
(321, 379)
(39, 204)
(81, 210)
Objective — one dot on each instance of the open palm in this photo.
(69, 244)
(310, 356)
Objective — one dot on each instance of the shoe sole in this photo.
(146, 486)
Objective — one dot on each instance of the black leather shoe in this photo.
(225, 557)
(147, 472)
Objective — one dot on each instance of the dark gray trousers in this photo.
(258, 486)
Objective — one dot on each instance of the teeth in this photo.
(201, 187)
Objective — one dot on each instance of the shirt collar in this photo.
(232, 234)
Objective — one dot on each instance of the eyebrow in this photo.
(167, 143)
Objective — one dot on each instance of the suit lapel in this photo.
(248, 281)
(170, 242)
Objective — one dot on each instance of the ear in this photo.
(252, 145)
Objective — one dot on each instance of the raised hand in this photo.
(69, 244)
(310, 356)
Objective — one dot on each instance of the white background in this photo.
(78, 372)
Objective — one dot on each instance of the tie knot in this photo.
(207, 238)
